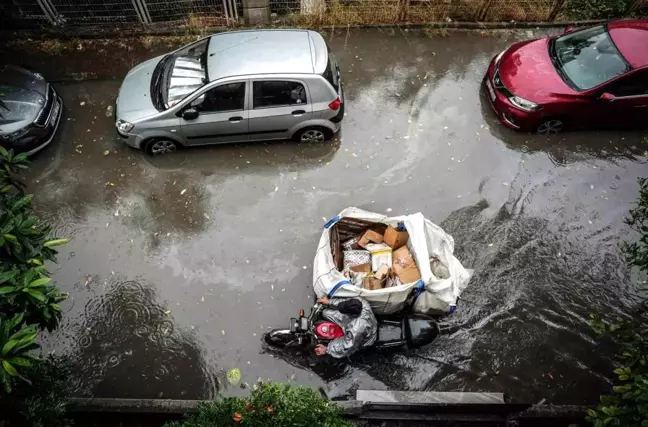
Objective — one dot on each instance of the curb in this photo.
(356, 409)
(94, 33)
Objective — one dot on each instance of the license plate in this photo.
(491, 91)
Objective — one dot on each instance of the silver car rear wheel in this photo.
(161, 146)
(550, 127)
(312, 136)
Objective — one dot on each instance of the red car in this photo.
(592, 77)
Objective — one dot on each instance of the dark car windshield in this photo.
(180, 74)
(588, 58)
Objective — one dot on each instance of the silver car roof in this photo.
(239, 53)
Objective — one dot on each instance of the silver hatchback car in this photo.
(233, 87)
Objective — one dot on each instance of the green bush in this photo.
(597, 9)
(269, 405)
(627, 404)
(40, 400)
(28, 301)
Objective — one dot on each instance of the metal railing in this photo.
(224, 13)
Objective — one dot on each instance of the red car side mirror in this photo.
(605, 96)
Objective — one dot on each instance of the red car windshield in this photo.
(588, 58)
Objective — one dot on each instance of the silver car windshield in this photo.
(188, 72)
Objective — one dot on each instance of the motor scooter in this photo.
(407, 330)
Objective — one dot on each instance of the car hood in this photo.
(527, 71)
(22, 97)
(134, 99)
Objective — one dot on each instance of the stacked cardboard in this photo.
(391, 261)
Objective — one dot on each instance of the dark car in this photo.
(30, 110)
(587, 78)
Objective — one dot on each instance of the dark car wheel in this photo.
(156, 147)
(313, 135)
(550, 127)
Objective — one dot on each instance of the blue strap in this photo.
(337, 286)
(420, 287)
(332, 221)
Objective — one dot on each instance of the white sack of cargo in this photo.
(426, 242)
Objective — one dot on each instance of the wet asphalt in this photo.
(178, 265)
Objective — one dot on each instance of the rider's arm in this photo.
(344, 346)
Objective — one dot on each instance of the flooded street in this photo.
(178, 265)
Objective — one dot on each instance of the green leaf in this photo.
(20, 158)
(623, 378)
(26, 331)
(55, 307)
(6, 276)
(10, 237)
(23, 201)
(25, 342)
(6, 188)
(4, 152)
(19, 361)
(7, 289)
(8, 347)
(56, 242)
(35, 261)
(9, 368)
(234, 376)
(36, 294)
(39, 282)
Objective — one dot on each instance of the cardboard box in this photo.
(382, 272)
(371, 283)
(353, 258)
(404, 266)
(381, 254)
(370, 236)
(362, 268)
(394, 238)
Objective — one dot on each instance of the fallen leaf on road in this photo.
(183, 191)
(234, 376)
(106, 152)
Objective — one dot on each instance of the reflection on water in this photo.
(569, 147)
(127, 338)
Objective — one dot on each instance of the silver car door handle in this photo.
(641, 106)
(235, 119)
(298, 112)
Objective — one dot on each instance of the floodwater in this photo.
(178, 265)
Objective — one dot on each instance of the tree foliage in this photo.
(269, 405)
(627, 403)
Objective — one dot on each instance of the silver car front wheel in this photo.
(550, 127)
(312, 135)
(161, 146)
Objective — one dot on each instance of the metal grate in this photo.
(198, 14)
(21, 14)
(80, 12)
